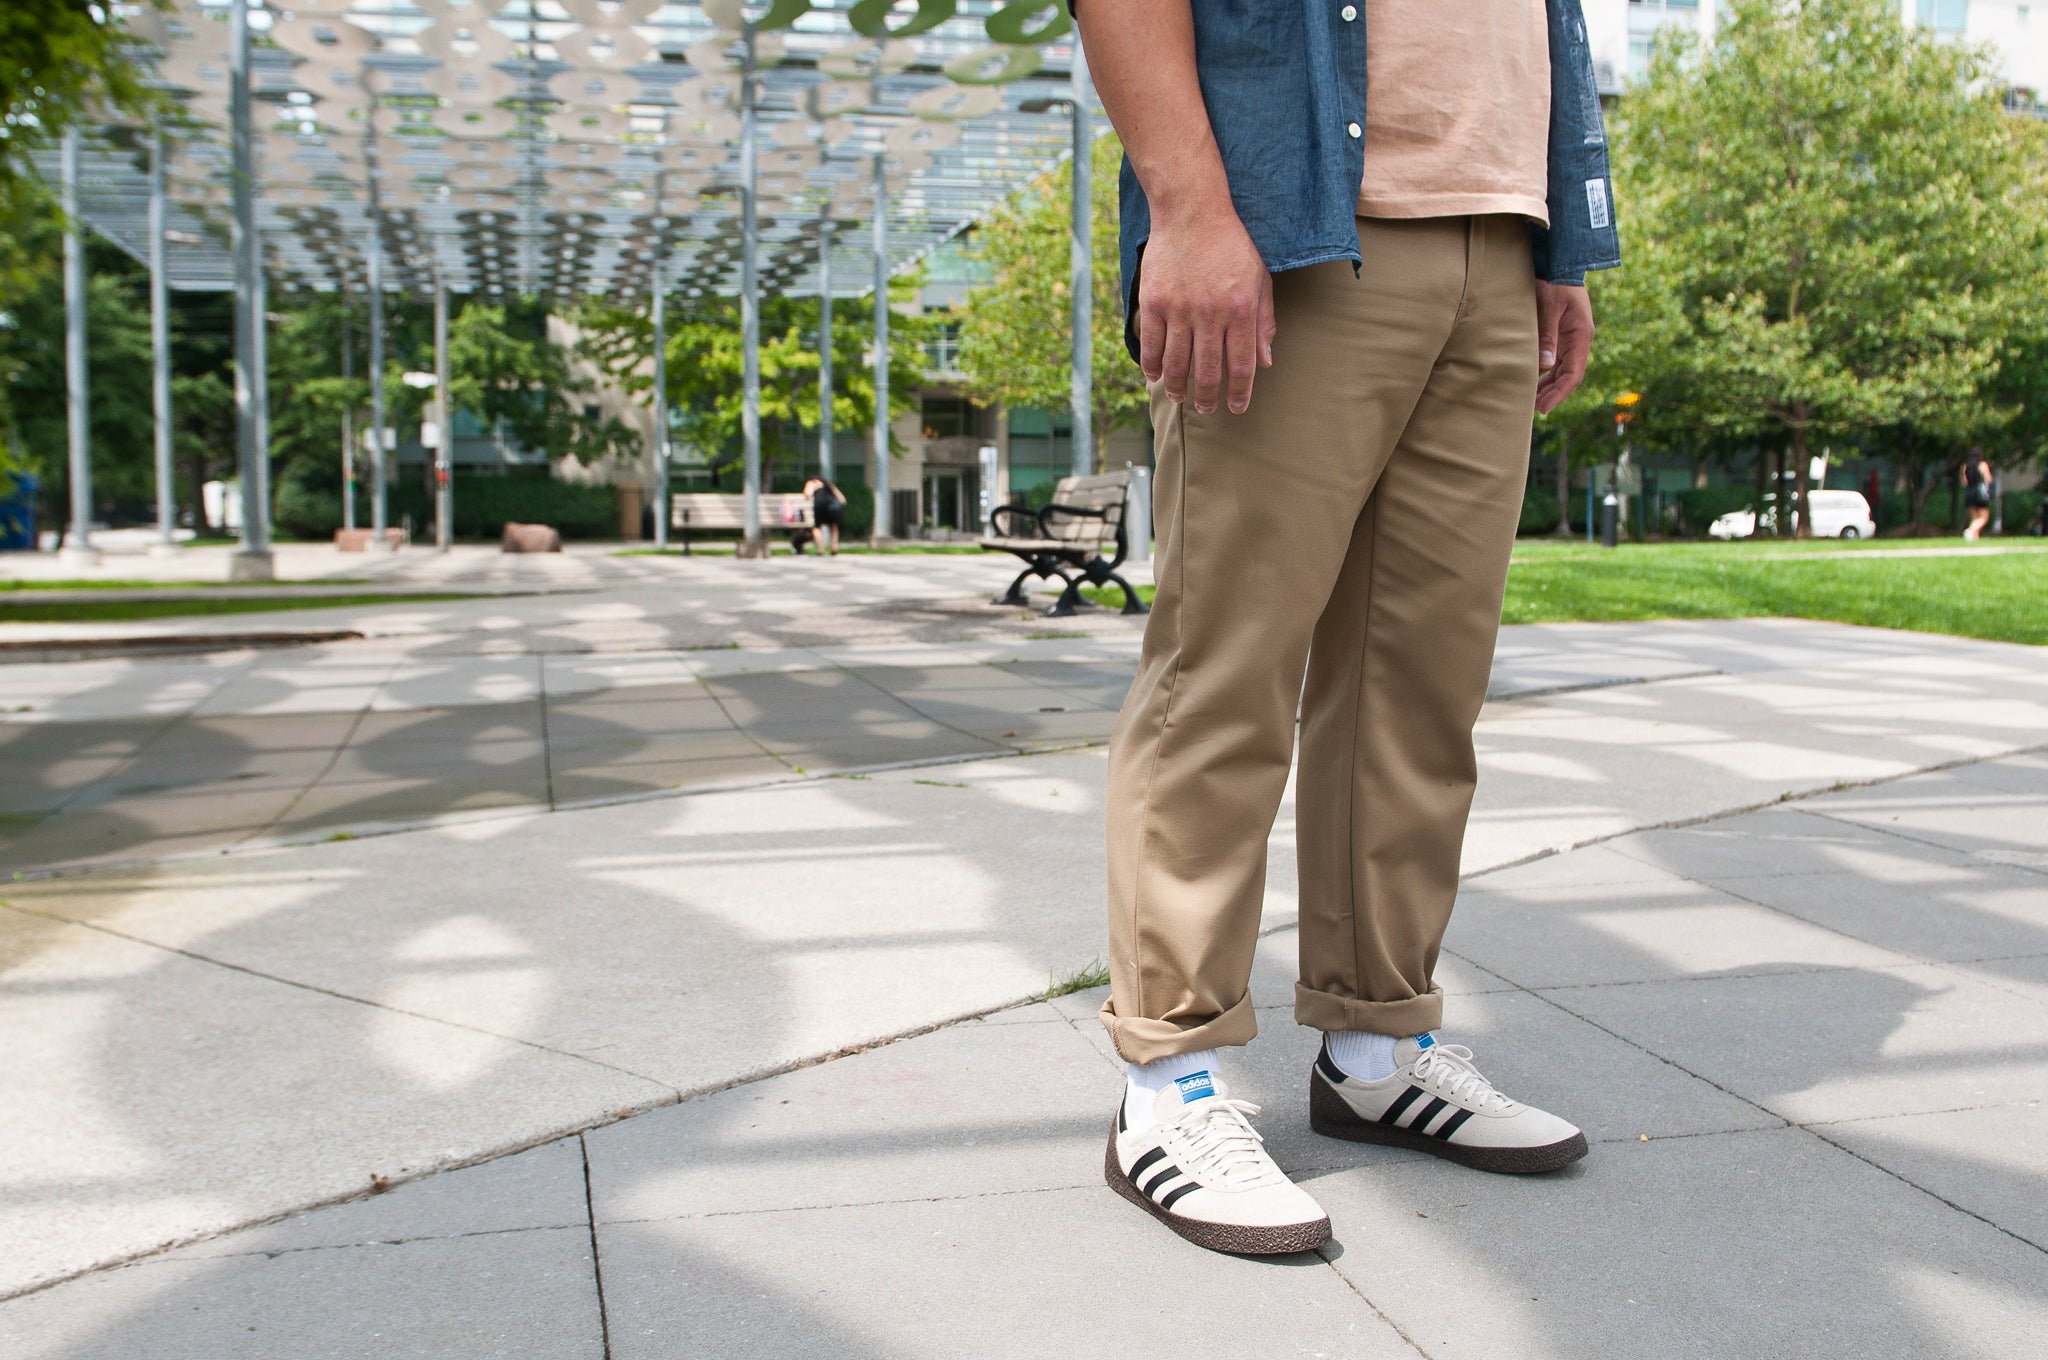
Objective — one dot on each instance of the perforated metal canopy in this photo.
(561, 147)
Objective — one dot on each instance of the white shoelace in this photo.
(1447, 1069)
(1214, 1142)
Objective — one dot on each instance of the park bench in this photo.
(689, 510)
(1078, 537)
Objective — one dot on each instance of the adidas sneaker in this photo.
(1203, 1171)
(1437, 1102)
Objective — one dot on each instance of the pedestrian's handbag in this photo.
(792, 510)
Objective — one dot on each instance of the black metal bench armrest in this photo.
(1028, 529)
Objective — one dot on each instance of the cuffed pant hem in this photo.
(1139, 1040)
(1322, 1010)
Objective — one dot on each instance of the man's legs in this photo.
(1256, 516)
(1400, 664)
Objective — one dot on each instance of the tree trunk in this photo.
(1699, 473)
(1564, 489)
(1802, 478)
(1763, 463)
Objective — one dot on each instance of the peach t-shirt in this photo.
(1457, 108)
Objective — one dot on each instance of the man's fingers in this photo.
(1205, 373)
(1547, 319)
(1151, 342)
(1269, 324)
(1241, 347)
(1173, 360)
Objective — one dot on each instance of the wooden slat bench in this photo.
(689, 510)
(1068, 539)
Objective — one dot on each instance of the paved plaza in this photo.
(649, 961)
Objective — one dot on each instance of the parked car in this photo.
(1836, 514)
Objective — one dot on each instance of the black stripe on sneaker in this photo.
(1451, 1125)
(1329, 1069)
(1151, 1187)
(1152, 1158)
(1430, 1111)
(1400, 1105)
(1121, 1126)
(1172, 1198)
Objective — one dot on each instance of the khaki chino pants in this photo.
(1342, 546)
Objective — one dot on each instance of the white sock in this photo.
(1369, 1057)
(1144, 1081)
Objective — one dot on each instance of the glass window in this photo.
(1945, 16)
(942, 351)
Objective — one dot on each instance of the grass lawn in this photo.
(1999, 596)
(97, 584)
(123, 611)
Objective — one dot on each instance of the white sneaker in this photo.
(1202, 1170)
(1437, 1102)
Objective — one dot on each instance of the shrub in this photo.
(483, 506)
(1700, 506)
(1539, 511)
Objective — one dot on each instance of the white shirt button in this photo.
(1355, 130)
(1348, 13)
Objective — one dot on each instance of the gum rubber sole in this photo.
(1330, 1115)
(1236, 1238)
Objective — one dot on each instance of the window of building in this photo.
(1945, 16)
(943, 417)
(942, 351)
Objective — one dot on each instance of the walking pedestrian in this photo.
(1976, 479)
(1401, 278)
(828, 512)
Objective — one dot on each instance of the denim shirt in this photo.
(1284, 82)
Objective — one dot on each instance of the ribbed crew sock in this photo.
(1144, 1081)
(1368, 1057)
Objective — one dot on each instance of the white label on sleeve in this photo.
(1596, 202)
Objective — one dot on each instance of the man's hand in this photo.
(1205, 311)
(1564, 337)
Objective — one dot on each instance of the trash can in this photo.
(17, 512)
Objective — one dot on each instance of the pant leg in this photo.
(1400, 664)
(1255, 515)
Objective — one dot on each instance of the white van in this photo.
(1836, 514)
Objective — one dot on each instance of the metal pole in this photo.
(661, 498)
(750, 316)
(348, 414)
(1083, 275)
(825, 349)
(378, 522)
(160, 349)
(880, 480)
(78, 547)
(252, 561)
(259, 394)
(444, 451)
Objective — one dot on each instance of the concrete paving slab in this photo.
(1072, 1270)
(526, 1295)
(894, 1123)
(1757, 1243)
(1837, 1043)
(1990, 1162)
(1917, 900)
(1560, 937)
(185, 1113)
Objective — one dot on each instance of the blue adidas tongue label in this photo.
(1195, 1086)
(1425, 1040)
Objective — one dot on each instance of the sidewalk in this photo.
(566, 1038)
(1816, 1117)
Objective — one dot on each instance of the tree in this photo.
(705, 365)
(1829, 222)
(1016, 330)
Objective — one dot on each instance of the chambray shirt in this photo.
(1284, 82)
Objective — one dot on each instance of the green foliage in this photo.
(1700, 506)
(1831, 226)
(1539, 511)
(59, 60)
(705, 363)
(1016, 331)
